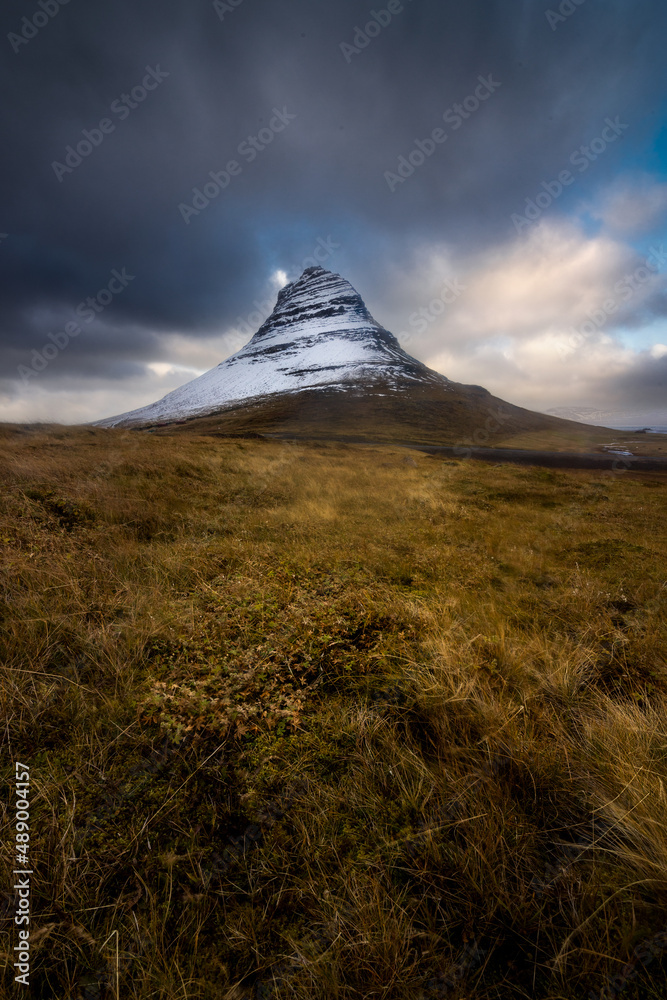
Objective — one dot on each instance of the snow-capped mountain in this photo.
(320, 335)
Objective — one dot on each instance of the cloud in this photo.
(321, 179)
(531, 324)
(632, 206)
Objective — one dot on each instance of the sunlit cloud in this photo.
(539, 318)
(279, 279)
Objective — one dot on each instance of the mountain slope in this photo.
(320, 334)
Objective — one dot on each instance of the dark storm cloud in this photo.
(221, 75)
(645, 383)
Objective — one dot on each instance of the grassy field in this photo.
(326, 721)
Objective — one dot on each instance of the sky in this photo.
(490, 176)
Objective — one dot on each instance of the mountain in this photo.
(320, 334)
(321, 364)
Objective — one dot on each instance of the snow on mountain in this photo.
(320, 334)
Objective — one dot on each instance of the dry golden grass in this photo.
(318, 721)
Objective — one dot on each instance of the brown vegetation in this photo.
(323, 721)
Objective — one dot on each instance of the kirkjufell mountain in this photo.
(320, 334)
(321, 364)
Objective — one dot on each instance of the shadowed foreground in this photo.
(323, 721)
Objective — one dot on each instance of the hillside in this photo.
(468, 416)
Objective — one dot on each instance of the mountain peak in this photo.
(308, 275)
(319, 335)
(316, 305)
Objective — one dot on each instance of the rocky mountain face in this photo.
(320, 335)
